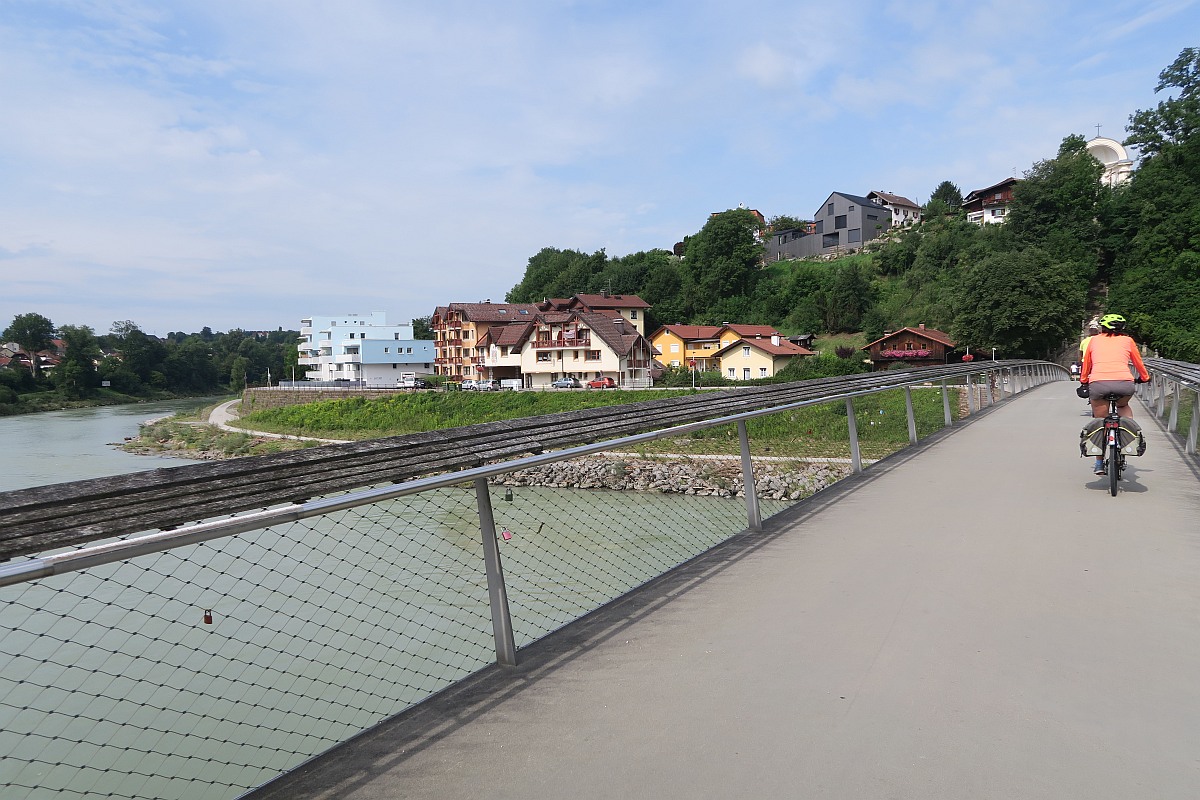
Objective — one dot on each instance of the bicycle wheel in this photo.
(1114, 468)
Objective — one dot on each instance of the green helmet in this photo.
(1112, 323)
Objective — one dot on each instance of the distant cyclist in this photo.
(1106, 370)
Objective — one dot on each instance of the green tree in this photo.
(422, 328)
(76, 375)
(1021, 301)
(721, 260)
(1176, 119)
(947, 193)
(783, 222)
(33, 332)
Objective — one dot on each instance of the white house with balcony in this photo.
(567, 344)
(361, 348)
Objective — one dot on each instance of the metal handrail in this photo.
(91, 556)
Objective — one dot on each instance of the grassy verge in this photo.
(817, 431)
(820, 431)
(358, 418)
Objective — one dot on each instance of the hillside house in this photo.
(989, 206)
(904, 211)
(910, 347)
(845, 222)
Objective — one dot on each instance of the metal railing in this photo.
(206, 660)
(1174, 391)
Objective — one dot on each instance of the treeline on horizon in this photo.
(1071, 247)
(137, 365)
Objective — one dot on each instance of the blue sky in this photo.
(247, 163)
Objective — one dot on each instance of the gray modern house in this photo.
(844, 222)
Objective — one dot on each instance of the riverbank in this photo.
(713, 476)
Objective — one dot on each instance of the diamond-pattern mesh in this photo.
(209, 669)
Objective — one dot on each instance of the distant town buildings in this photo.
(361, 348)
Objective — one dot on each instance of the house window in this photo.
(839, 222)
(574, 355)
(674, 363)
(746, 373)
(854, 235)
(633, 313)
(829, 209)
(593, 355)
(543, 358)
(408, 350)
(387, 349)
(872, 216)
(851, 208)
(745, 352)
(762, 372)
(674, 348)
(732, 373)
(830, 240)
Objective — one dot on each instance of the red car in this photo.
(602, 383)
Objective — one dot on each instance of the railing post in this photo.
(946, 403)
(970, 395)
(855, 455)
(506, 649)
(753, 515)
(912, 420)
(1176, 396)
(1194, 427)
(1161, 405)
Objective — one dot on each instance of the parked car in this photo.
(487, 386)
(602, 383)
(468, 384)
(420, 383)
(566, 383)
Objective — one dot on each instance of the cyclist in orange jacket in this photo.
(1106, 369)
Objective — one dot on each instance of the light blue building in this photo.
(363, 348)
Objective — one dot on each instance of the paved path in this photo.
(223, 415)
(976, 618)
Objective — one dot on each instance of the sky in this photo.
(249, 163)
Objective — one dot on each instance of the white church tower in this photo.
(1117, 164)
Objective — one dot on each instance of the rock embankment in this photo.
(720, 476)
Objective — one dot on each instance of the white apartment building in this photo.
(363, 348)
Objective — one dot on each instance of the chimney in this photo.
(775, 340)
(922, 326)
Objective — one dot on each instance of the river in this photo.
(60, 446)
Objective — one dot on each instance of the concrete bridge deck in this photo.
(975, 618)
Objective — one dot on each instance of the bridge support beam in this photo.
(753, 515)
(912, 419)
(855, 455)
(502, 630)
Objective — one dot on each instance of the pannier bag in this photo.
(1092, 440)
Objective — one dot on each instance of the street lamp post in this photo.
(994, 349)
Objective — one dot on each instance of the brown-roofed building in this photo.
(989, 206)
(910, 347)
(629, 307)
(567, 344)
(904, 211)
(458, 328)
(757, 356)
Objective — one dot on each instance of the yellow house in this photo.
(753, 357)
(679, 345)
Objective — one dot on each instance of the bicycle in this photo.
(1113, 449)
